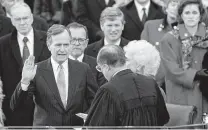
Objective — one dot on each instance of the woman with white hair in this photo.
(143, 58)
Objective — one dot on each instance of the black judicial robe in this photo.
(128, 99)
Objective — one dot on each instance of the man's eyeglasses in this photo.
(98, 68)
(79, 40)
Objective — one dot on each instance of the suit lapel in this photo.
(15, 49)
(101, 3)
(152, 12)
(73, 77)
(51, 81)
(133, 14)
(38, 45)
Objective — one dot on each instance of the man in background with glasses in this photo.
(112, 24)
(78, 44)
(14, 50)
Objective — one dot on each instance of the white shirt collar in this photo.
(139, 8)
(80, 58)
(117, 43)
(30, 35)
(55, 65)
(8, 15)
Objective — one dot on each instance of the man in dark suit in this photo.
(14, 48)
(127, 99)
(88, 13)
(61, 87)
(136, 14)
(39, 23)
(112, 24)
(79, 44)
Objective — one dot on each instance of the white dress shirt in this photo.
(139, 8)
(116, 43)
(56, 69)
(30, 43)
(106, 2)
(80, 58)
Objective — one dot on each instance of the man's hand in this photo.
(29, 70)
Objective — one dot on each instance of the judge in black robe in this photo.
(128, 99)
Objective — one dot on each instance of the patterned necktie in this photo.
(26, 52)
(144, 18)
(61, 85)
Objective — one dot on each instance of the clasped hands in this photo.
(29, 70)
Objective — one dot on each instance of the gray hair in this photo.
(76, 25)
(145, 55)
(55, 29)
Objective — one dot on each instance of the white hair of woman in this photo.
(143, 57)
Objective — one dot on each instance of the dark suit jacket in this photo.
(11, 71)
(91, 61)
(67, 12)
(6, 26)
(133, 27)
(93, 49)
(88, 13)
(49, 109)
(40, 24)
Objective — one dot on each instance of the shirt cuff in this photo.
(24, 86)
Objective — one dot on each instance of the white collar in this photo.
(80, 58)
(140, 7)
(55, 65)
(30, 35)
(8, 15)
(116, 43)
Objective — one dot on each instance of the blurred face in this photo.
(112, 29)
(191, 15)
(79, 41)
(59, 47)
(172, 9)
(142, 1)
(22, 19)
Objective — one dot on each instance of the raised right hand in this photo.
(29, 70)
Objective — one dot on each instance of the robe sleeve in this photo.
(103, 110)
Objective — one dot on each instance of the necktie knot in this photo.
(25, 40)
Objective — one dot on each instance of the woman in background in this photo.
(182, 52)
